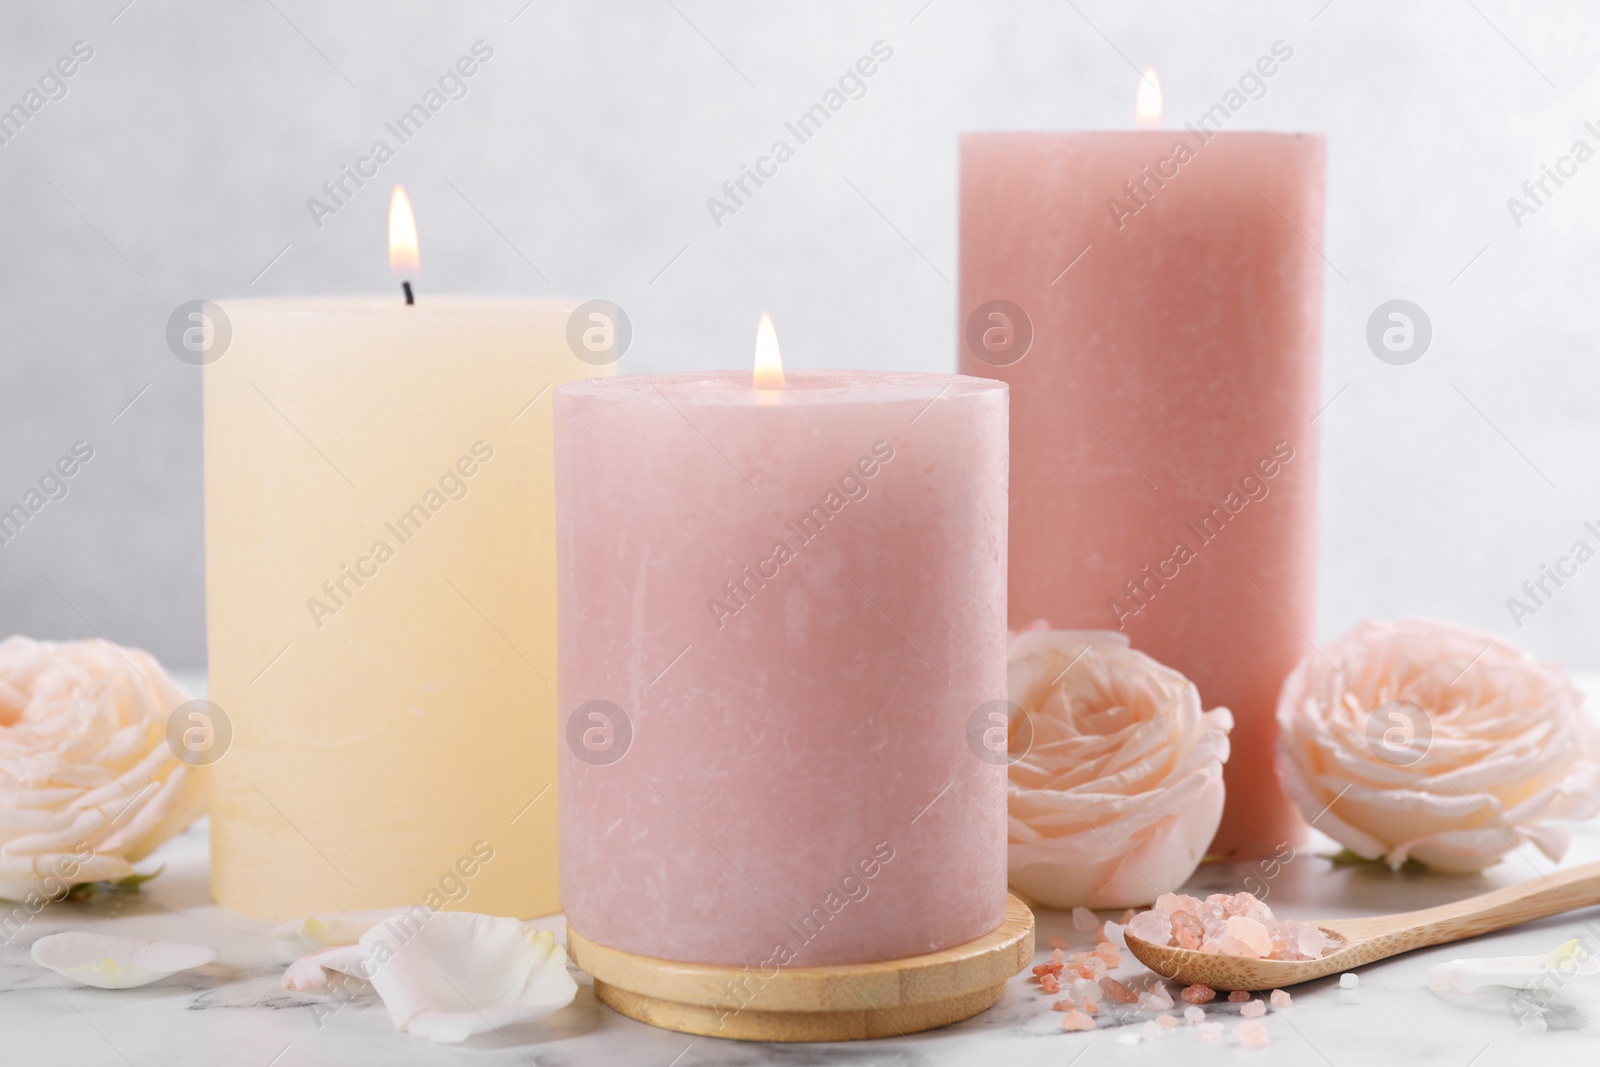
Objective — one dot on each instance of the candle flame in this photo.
(1147, 110)
(404, 257)
(768, 372)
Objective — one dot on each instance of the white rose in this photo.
(1121, 789)
(1420, 740)
(88, 786)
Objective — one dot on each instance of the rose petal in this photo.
(335, 928)
(309, 973)
(116, 962)
(445, 976)
(1565, 963)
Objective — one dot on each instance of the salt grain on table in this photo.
(1118, 992)
(1252, 1034)
(1157, 1001)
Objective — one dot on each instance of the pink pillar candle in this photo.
(779, 611)
(1154, 302)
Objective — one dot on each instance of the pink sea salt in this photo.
(1109, 954)
(1167, 1021)
(1082, 989)
(1253, 1009)
(1154, 927)
(1281, 1001)
(1159, 1000)
(1232, 946)
(1171, 902)
(1193, 1015)
(1209, 1031)
(1118, 992)
(1238, 995)
(1252, 933)
(1083, 919)
(1198, 994)
(1058, 942)
(1310, 942)
(1235, 924)
(1252, 1034)
(1188, 930)
(1049, 983)
(1076, 1020)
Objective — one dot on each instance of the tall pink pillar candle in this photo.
(1154, 302)
(779, 612)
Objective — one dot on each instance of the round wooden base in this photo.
(842, 1003)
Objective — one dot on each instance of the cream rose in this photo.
(1120, 791)
(88, 785)
(1420, 740)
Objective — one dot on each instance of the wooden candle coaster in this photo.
(844, 1003)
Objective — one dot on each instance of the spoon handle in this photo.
(1537, 898)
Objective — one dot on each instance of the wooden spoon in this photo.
(1378, 937)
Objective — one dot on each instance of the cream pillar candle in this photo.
(780, 611)
(1154, 300)
(380, 563)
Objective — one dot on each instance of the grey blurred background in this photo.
(179, 161)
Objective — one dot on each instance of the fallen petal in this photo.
(309, 973)
(445, 976)
(336, 928)
(116, 962)
(1571, 960)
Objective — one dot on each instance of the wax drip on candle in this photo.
(768, 374)
(404, 255)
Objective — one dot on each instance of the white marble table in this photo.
(234, 1012)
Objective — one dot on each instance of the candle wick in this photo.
(406, 287)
